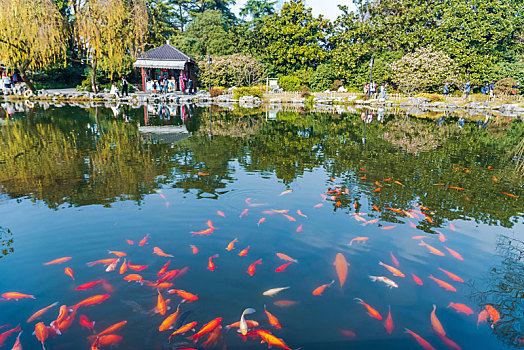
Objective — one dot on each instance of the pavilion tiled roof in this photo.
(166, 52)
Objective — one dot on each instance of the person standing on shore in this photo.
(124, 87)
(445, 89)
(492, 89)
(467, 90)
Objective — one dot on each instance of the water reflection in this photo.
(6, 242)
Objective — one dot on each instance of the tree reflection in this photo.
(6, 242)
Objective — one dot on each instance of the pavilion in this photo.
(167, 62)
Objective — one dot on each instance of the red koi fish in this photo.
(169, 276)
(194, 249)
(286, 257)
(7, 334)
(109, 339)
(18, 345)
(422, 342)
(211, 264)
(207, 232)
(68, 271)
(244, 252)
(130, 242)
(283, 267)
(251, 269)
(269, 338)
(143, 241)
(482, 317)
(221, 213)
(435, 323)
(341, 267)
(84, 322)
(389, 322)
(89, 285)
(272, 319)
(160, 252)
(395, 210)
(41, 333)
(163, 270)
(461, 308)
(112, 329)
(186, 296)
(443, 284)
(16, 296)
(451, 275)
(319, 290)
(346, 333)
(493, 313)
(58, 261)
(39, 313)
(185, 328)
(285, 303)
(452, 227)
(97, 299)
(417, 280)
(454, 253)
(207, 328)
(376, 208)
(371, 311)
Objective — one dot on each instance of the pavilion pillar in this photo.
(143, 79)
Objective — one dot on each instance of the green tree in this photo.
(257, 9)
(161, 25)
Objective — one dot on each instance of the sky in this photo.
(328, 8)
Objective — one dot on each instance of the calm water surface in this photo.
(78, 183)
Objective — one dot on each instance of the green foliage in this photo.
(289, 83)
(161, 24)
(215, 91)
(506, 87)
(432, 97)
(232, 70)
(513, 68)
(248, 91)
(323, 78)
(258, 9)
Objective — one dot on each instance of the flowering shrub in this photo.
(248, 91)
(424, 70)
(232, 70)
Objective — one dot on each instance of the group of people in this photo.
(371, 90)
(164, 86)
(125, 88)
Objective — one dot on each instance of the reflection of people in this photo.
(461, 122)
(441, 120)
(190, 85)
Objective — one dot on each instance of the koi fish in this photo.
(271, 340)
(441, 237)
(163, 270)
(376, 208)
(388, 227)
(361, 219)
(231, 245)
(280, 211)
(143, 241)
(417, 280)
(161, 304)
(109, 339)
(202, 174)
(112, 329)
(84, 322)
(286, 257)
(41, 312)
(482, 317)
(16, 296)
(493, 313)
(495, 179)
(68, 271)
(221, 213)
(272, 319)
(370, 222)
(211, 264)
(160, 252)
(194, 249)
(422, 342)
(432, 250)
(186, 296)
(130, 242)
(251, 269)
(392, 269)
(371, 311)
(244, 212)
(300, 213)
(509, 194)
(399, 183)
(97, 299)
(112, 266)
(363, 177)
(169, 276)
(285, 192)
(41, 333)
(169, 321)
(243, 328)
(452, 227)
(7, 334)
(450, 343)
(283, 267)
(117, 253)
(461, 308)
(185, 328)
(207, 328)
(137, 268)
(62, 314)
(394, 259)
(299, 228)
(389, 283)
(274, 291)
(65, 324)
(250, 324)
(377, 189)
(346, 333)
(395, 210)
(103, 261)
(443, 284)
(456, 188)
(18, 345)
(435, 323)
(318, 205)
(454, 253)
(341, 266)
(389, 322)
(319, 290)
(451, 275)
(207, 231)
(134, 278)
(285, 303)
(261, 221)
(243, 252)
(58, 261)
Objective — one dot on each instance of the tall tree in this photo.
(31, 35)
(163, 22)
(258, 9)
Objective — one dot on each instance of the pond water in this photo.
(429, 197)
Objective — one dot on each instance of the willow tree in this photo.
(31, 35)
(111, 33)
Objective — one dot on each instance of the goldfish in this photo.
(16, 296)
(394, 259)
(62, 314)
(88, 285)
(185, 328)
(389, 322)
(251, 269)
(194, 249)
(443, 284)
(17, 345)
(244, 252)
(395, 210)
(207, 328)
(377, 189)
(285, 192)
(450, 343)
(341, 266)
(422, 342)
(137, 268)
(454, 253)
(286, 257)
(456, 188)
(244, 212)
(119, 254)
(376, 208)
(417, 280)
(274, 291)
(202, 174)
(371, 311)
(41, 333)
(68, 271)
(370, 222)
(168, 276)
(143, 241)
(169, 321)
(283, 267)
(130, 242)
(211, 264)
(389, 283)
(285, 303)
(361, 219)
(231, 245)
(58, 261)
(163, 285)
(41, 312)
(300, 213)
(66, 323)
(392, 269)
(319, 290)
(243, 328)
(250, 324)
(452, 227)
(84, 322)
(163, 269)
(346, 333)
(160, 252)
(509, 194)
(7, 334)
(299, 228)
(109, 339)
(461, 308)
(435, 323)
(482, 317)
(441, 237)
(134, 278)
(221, 213)
(186, 296)
(112, 329)
(451, 275)
(289, 217)
(432, 250)
(261, 221)
(207, 231)
(271, 340)
(103, 261)
(493, 313)
(318, 205)
(161, 304)
(97, 299)
(272, 319)
(112, 266)
(388, 227)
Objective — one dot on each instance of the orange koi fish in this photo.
(272, 319)
(231, 245)
(451, 275)
(376, 208)
(285, 303)
(185, 328)
(18, 345)
(62, 314)
(211, 264)
(395, 210)
(144, 240)
(421, 207)
(270, 339)
(361, 219)
(112, 266)
(207, 231)
(413, 214)
(163, 270)
(389, 322)
(186, 296)
(441, 236)
(388, 227)
(299, 228)
(207, 328)
(251, 269)
(443, 284)
(68, 271)
(346, 333)
(450, 343)
(359, 239)
(243, 252)
(7, 334)
(422, 342)
(250, 324)
(363, 177)
(160, 252)
(282, 267)
(286, 257)
(495, 179)
(412, 225)
(97, 299)
(399, 183)
(65, 324)
(370, 222)
(169, 321)
(509, 194)
(341, 266)
(202, 174)
(300, 213)
(134, 278)
(452, 227)
(169, 276)
(285, 192)
(261, 221)
(39, 313)
(417, 280)
(394, 259)
(16, 296)
(41, 333)
(432, 250)
(318, 205)
(130, 242)
(112, 329)
(493, 313)
(194, 249)
(244, 212)
(221, 213)
(163, 285)
(371, 311)
(280, 211)
(84, 322)
(109, 339)
(161, 304)
(392, 269)
(483, 317)
(103, 261)
(137, 268)
(119, 254)
(322, 288)
(289, 217)
(456, 188)
(58, 261)
(461, 308)
(88, 285)
(454, 253)
(123, 267)
(435, 323)
(377, 189)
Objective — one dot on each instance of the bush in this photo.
(322, 78)
(337, 84)
(216, 91)
(506, 87)
(248, 91)
(432, 97)
(289, 83)
(305, 94)
(232, 70)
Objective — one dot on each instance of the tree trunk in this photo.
(93, 77)
(22, 69)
